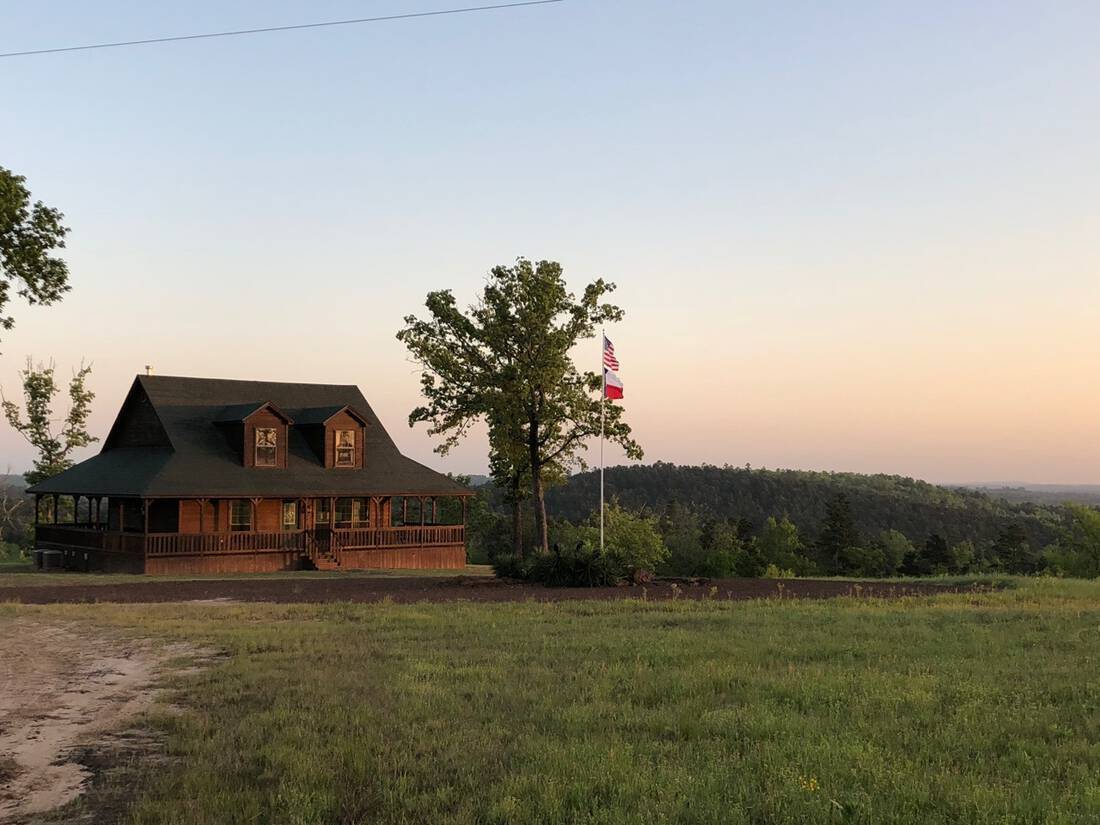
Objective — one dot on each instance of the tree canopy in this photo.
(29, 234)
(506, 361)
(54, 449)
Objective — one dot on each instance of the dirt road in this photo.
(62, 688)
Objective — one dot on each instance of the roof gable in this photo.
(137, 423)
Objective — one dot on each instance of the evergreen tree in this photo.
(1016, 552)
(838, 532)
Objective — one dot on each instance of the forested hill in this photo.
(878, 502)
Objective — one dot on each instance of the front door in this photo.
(316, 524)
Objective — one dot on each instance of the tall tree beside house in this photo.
(507, 361)
(40, 388)
(28, 236)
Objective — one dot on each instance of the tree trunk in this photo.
(517, 518)
(542, 536)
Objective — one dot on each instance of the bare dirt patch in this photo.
(63, 689)
(337, 588)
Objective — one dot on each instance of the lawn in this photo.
(948, 709)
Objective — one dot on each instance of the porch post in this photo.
(332, 512)
(435, 510)
(404, 510)
(255, 513)
(465, 503)
(145, 511)
(421, 510)
(53, 511)
(202, 515)
(37, 506)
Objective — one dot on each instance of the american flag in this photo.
(609, 359)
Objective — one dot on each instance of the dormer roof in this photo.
(322, 415)
(239, 413)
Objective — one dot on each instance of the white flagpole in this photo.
(603, 396)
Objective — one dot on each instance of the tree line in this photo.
(727, 521)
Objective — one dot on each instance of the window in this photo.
(360, 512)
(321, 512)
(345, 448)
(265, 447)
(240, 515)
(343, 512)
(290, 515)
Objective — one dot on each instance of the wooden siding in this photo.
(226, 563)
(415, 558)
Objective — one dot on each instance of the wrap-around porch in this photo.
(217, 535)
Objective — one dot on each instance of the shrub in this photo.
(582, 566)
(11, 552)
(632, 549)
(508, 566)
(632, 542)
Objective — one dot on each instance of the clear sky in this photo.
(852, 236)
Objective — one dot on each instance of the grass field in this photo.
(952, 709)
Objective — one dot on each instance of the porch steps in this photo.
(323, 561)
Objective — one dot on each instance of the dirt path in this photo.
(423, 588)
(61, 689)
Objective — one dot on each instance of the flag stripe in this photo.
(609, 359)
(612, 386)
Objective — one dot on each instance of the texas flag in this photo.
(612, 386)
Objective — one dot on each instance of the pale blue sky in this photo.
(855, 236)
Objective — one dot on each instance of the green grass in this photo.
(24, 574)
(952, 709)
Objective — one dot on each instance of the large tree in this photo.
(28, 235)
(506, 361)
(54, 449)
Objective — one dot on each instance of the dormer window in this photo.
(345, 448)
(266, 442)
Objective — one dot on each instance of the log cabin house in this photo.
(203, 475)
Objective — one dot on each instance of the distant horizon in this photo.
(1035, 486)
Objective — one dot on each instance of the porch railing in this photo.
(367, 537)
(169, 544)
(289, 541)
